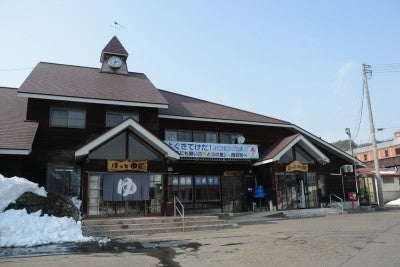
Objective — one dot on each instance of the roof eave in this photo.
(92, 100)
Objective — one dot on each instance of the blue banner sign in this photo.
(214, 151)
(126, 187)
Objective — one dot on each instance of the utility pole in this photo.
(367, 70)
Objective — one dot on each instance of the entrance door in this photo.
(232, 194)
(296, 190)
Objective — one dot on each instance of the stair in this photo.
(303, 213)
(114, 227)
(333, 211)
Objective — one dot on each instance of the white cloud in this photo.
(341, 74)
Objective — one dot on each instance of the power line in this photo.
(360, 112)
(16, 69)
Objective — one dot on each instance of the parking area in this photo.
(360, 239)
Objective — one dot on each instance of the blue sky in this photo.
(298, 61)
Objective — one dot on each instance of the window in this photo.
(67, 118)
(114, 118)
(205, 137)
(398, 151)
(389, 180)
(65, 180)
(180, 186)
(228, 138)
(386, 153)
(178, 135)
(365, 157)
(207, 188)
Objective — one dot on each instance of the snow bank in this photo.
(395, 202)
(20, 229)
(12, 188)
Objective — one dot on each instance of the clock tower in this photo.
(113, 58)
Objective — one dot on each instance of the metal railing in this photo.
(335, 204)
(181, 211)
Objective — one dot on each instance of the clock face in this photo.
(114, 62)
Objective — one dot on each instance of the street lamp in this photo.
(350, 144)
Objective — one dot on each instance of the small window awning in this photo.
(136, 128)
(277, 150)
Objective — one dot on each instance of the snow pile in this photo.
(395, 202)
(12, 188)
(20, 229)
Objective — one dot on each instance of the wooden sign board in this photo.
(126, 165)
(297, 166)
(233, 173)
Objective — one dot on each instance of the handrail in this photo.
(182, 214)
(335, 202)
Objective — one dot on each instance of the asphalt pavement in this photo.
(262, 239)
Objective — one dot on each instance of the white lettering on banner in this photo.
(211, 150)
(126, 187)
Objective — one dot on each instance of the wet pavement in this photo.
(164, 251)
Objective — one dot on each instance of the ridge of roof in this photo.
(86, 67)
(222, 105)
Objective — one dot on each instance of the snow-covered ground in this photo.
(395, 202)
(20, 229)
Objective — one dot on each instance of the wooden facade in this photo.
(73, 160)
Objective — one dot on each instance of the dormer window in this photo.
(114, 118)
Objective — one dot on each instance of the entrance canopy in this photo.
(281, 149)
(137, 129)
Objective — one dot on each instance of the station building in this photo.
(125, 147)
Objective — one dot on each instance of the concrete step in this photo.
(145, 220)
(132, 226)
(303, 213)
(332, 211)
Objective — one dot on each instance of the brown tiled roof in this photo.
(114, 46)
(185, 106)
(15, 132)
(74, 81)
(277, 147)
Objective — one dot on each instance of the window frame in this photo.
(177, 135)
(133, 115)
(205, 136)
(68, 110)
(233, 137)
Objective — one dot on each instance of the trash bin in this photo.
(169, 209)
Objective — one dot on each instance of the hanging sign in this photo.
(126, 165)
(126, 186)
(297, 166)
(214, 151)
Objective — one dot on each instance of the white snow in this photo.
(20, 229)
(12, 188)
(395, 202)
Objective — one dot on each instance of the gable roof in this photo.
(139, 130)
(181, 107)
(277, 150)
(115, 47)
(82, 84)
(16, 134)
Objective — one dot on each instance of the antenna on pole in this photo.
(116, 27)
